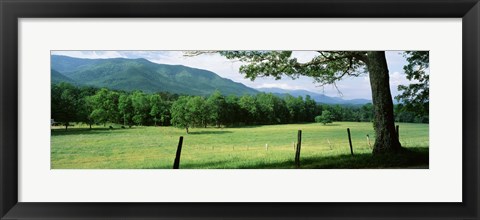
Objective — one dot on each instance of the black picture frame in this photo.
(12, 10)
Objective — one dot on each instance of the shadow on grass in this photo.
(184, 165)
(211, 165)
(208, 132)
(83, 131)
(411, 158)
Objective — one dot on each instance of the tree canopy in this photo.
(326, 68)
(415, 96)
(325, 118)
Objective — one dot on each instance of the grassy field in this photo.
(231, 148)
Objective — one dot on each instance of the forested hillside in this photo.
(141, 74)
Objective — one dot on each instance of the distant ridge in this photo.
(57, 77)
(320, 98)
(141, 74)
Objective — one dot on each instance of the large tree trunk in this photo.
(386, 140)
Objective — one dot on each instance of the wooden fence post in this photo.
(176, 163)
(368, 141)
(297, 152)
(396, 130)
(350, 141)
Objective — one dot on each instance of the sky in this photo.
(348, 88)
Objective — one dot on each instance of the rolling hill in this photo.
(141, 74)
(57, 77)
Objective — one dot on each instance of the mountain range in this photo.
(141, 74)
(320, 98)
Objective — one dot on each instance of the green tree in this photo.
(234, 114)
(199, 111)
(296, 108)
(216, 105)
(141, 108)
(64, 103)
(325, 118)
(280, 110)
(84, 107)
(266, 108)
(125, 109)
(415, 96)
(337, 112)
(311, 109)
(327, 68)
(181, 114)
(105, 106)
(366, 112)
(401, 115)
(248, 104)
(159, 109)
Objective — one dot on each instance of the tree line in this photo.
(102, 106)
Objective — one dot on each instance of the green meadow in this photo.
(255, 147)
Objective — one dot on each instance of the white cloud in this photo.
(304, 56)
(278, 85)
(90, 54)
(397, 78)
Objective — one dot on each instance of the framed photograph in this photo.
(250, 110)
(105, 102)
